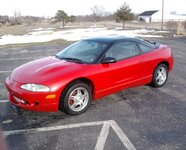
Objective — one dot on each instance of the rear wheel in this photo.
(160, 75)
(76, 99)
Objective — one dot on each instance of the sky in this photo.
(48, 8)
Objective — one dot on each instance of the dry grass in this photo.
(53, 42)
(24, 28)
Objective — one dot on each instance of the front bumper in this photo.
(35, 101)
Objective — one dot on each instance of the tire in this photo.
(75, 99)
(160, 76)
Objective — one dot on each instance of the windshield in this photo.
(85, 51)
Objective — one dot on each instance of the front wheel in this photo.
(76, 99)
(160, 75)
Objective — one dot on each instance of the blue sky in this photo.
(82, 7)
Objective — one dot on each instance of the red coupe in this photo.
(87, 70)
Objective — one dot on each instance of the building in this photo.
(156, 16)
(146, 16)
(4, 20)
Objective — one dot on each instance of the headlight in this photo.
(35, 88)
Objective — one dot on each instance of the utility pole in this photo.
(162, 19)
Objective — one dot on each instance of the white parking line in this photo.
(124, 139)
(4, 101)
(101, 139)
(61, 127)
(29, 58)
(32, 51)
(5, 71)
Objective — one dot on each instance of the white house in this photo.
(146, 16)
(156, 16)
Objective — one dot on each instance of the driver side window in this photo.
(122, 50)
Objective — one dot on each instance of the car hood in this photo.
(42, 70)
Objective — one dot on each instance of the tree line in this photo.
(17, 20)
(122, 14)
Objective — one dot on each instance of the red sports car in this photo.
(87, 70)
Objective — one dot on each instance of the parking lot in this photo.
(138, 118)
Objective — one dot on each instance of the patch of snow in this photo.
(72, 35)
(42, 29)
(38, 29)
(49, 28)
(69, 26)
(40, 33)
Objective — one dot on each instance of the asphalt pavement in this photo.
(137, 118)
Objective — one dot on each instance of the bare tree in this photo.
(97, 12)
(17, 17)
(17, 14)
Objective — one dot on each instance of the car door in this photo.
(123, 73)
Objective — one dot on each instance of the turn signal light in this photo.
(51, 96)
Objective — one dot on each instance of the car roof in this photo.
(112, 39)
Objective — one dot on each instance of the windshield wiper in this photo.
(154, 43)
(57, 56)
(72, 59)
(149, 42)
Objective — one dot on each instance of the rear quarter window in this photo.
(146, 47)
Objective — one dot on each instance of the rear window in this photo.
(147, 46)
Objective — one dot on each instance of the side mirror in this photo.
(108, 60)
